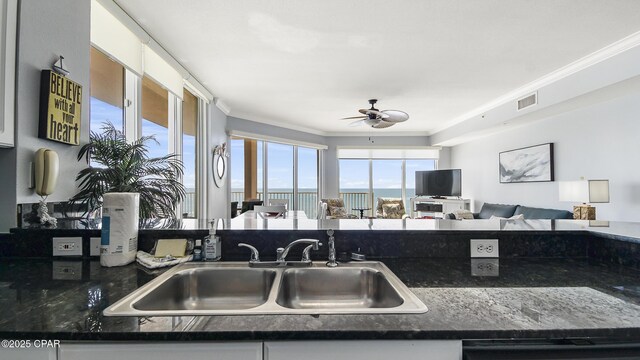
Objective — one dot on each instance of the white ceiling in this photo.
(304, 64)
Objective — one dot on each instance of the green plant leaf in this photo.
(122, 166)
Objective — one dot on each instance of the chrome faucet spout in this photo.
(282, 252)
(332, 250)
(255, 256)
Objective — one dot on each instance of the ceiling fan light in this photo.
(371, 122)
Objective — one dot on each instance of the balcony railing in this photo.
(189, 205)
(308, 200)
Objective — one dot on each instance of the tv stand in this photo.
(437, 206)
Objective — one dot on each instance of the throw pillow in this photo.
(392, 211)
(337, 211)
(463, 214)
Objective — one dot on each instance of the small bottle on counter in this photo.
(212, 248)
(197, 251)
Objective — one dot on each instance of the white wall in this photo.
(47, 29)
(217, 197)
(600, 141)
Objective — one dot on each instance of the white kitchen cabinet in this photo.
(28, 354)
(236, 350)
(364, 350)
(8, 36)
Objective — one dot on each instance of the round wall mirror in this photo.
(219, 169)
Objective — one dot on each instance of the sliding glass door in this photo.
(363, 181)
(280, 172)
(387, 179)
(291, 173)
(307, 181)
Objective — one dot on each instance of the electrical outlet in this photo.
(484, 248)
(485, 267)
(67, 270)
(67, 246)
(94, 246)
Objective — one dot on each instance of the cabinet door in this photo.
(162, 351)
(364, 350)
(8, 36)
(28, 354)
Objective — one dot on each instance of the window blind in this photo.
(163, 73)
(110, 36)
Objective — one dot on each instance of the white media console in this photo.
(427, 206)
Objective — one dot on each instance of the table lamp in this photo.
(584, 191)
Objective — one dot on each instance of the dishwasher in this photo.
(550, 350)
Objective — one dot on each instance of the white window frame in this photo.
(265, 170)
(403, 171)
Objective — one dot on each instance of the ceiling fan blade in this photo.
(354, 117)
(395, 116)
(357, 123)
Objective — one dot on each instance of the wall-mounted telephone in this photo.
(46, 171)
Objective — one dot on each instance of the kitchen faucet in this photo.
(282, 252)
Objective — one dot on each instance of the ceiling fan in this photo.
(378, 119)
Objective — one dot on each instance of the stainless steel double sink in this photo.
(231, 288)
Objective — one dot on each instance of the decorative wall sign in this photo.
(530, 164)
(60, 108)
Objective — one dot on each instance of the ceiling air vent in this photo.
(527, 101)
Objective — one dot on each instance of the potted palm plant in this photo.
(121, 166)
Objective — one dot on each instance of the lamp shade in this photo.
(598, 191)
(584, 191)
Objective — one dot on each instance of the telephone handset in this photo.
(46, 171)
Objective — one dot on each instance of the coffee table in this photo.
(362, 210)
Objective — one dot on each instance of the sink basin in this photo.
(232, 288)
(210, 289)
(340, 288)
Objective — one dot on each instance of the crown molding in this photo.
(222, 106)
(271, 122)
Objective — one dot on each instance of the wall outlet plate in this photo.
(67, 246)
(67, 270)
(484, 248)
(94, 246)
(485, 267)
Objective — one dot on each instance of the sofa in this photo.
(506, 211)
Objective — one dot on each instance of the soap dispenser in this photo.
(212, 248)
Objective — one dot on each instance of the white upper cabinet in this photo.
(8, 29)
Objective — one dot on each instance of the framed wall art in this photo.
(529, 164)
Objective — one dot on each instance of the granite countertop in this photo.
(531, 298)
(629, 231)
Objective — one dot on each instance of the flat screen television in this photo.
(439, 183)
